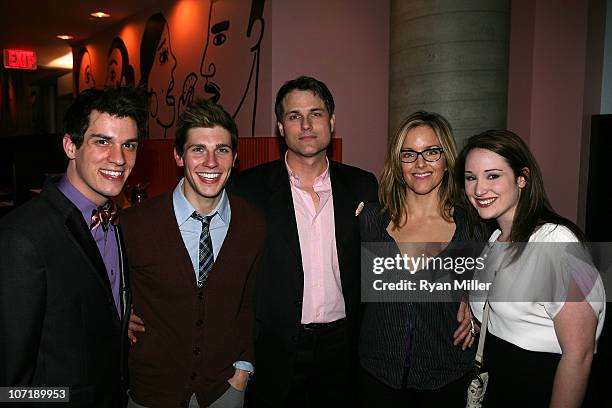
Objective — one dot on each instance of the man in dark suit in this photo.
(193, 253)
(308, 286)
(62, 287)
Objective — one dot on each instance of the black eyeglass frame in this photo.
(440, 150)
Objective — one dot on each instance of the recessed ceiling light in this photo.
(64, 37)
(99, 14)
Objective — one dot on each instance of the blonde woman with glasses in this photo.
(412, 353)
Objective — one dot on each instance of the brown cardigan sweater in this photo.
(193, 335)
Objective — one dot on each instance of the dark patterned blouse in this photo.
(410, 344)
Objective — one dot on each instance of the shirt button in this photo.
(199, 322)
(196, 350)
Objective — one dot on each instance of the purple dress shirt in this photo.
(106, 241)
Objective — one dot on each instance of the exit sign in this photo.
(19, 59)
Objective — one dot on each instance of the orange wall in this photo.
(187, 22)
(345, 43)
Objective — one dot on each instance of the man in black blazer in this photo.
(308, 287)
(62, 288)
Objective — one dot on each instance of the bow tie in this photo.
(103, 215)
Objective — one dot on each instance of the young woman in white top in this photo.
(538, 352)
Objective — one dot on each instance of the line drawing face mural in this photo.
(84, 69)
(157, 66)
(189, 90)
(119, 72)
(230, 63)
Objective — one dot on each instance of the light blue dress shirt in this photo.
(191, 229)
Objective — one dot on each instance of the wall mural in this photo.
(189, 91)
(119, 72)
(84, 71)
(230, 62)
(228, 58)
(157, 66)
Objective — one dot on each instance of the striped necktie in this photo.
(206, 258)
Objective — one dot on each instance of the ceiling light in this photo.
(99, 14)
(64, 37)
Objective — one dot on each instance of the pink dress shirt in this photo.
(323, 301)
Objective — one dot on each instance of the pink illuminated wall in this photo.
(345, 43)
(555, 52)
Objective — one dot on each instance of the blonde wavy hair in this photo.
(392, 188)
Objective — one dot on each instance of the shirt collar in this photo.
(183, 208)
(77, 198)
(319, 180)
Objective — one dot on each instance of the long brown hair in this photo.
(392, 188)
(533, 208)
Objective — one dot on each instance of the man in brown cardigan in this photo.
(192, 255)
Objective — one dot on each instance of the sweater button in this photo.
(196, 350)
(200, 295)
(199, 322)
(193, 376)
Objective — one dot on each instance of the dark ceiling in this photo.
(33, 24)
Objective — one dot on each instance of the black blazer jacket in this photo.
(280, 280)
(58, 321)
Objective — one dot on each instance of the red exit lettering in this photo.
(19, 59)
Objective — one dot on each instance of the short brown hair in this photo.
(203, 114)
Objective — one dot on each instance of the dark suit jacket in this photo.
(58, 321)
(280, 281)
(193, 335)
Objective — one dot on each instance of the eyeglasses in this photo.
(431, 155)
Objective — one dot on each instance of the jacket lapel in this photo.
(344, 213)
(83, 239)
(280, 203)
(124, 294)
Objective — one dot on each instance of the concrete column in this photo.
(450, 57)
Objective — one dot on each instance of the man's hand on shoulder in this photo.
(136, 325)
(240, 379)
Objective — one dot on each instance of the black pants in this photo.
(375, 394)
(322, 374)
